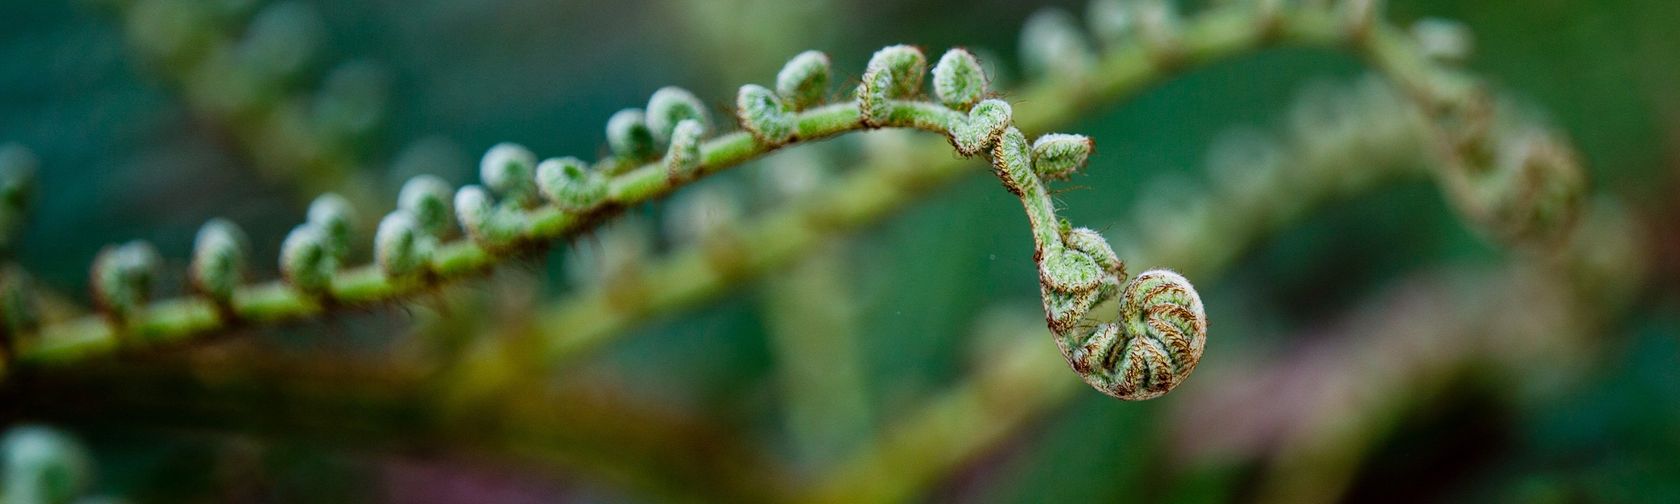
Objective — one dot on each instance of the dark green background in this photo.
(122, 159)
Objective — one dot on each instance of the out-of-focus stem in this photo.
(812, 330)
(657, 452)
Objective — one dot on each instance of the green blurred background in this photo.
(127, 152)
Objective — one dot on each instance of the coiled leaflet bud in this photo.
(399, 248)
(670, 106)
(981, 128)
(958, 79)
(306, 259)
(803, 81)
(43, 465)
(123, 277)
(570, 184)
(1154, 345)
(894, 72)
(1057, 155)
(510, 170)
(1012, 161)
(683, 158)
(1090, 243)
(480, 217)
(629, 136)
(219, 259)
(764, 115)
(1067, 270)
(426, 199)
(334, 215)
(1076, 271)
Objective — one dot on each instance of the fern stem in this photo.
(576, 324)
(1221, 33)
(178, 319)
(990, 406)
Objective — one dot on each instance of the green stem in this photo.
(577, 324)
(179, 319)
(657, 452)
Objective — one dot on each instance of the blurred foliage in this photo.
(123, 156)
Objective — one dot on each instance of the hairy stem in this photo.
(581, 322)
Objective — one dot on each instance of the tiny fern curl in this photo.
(569, 184)
(510, 170)
(477, 214)
(669, 107)
(335, 217)
(981, 127)
(1154, 345)
(306, 260)
(123, 276)
(1092, 244)
(219, 258)
(629, 136)
(958, 79)
(426, 199)
(683, 157)
(1012, 162)
(894, 72)
(764, 115)
(804, 80)
(1056, 156)
(399, 248)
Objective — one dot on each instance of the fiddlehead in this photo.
(123, 277)
(218, 263)
(498, 229)
(1162, 328)
(958, 80)
(803, 81)
(1154, 345)
(306, 260)
(523, 200)
(400, 248)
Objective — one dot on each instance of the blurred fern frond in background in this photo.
(1422, 250)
